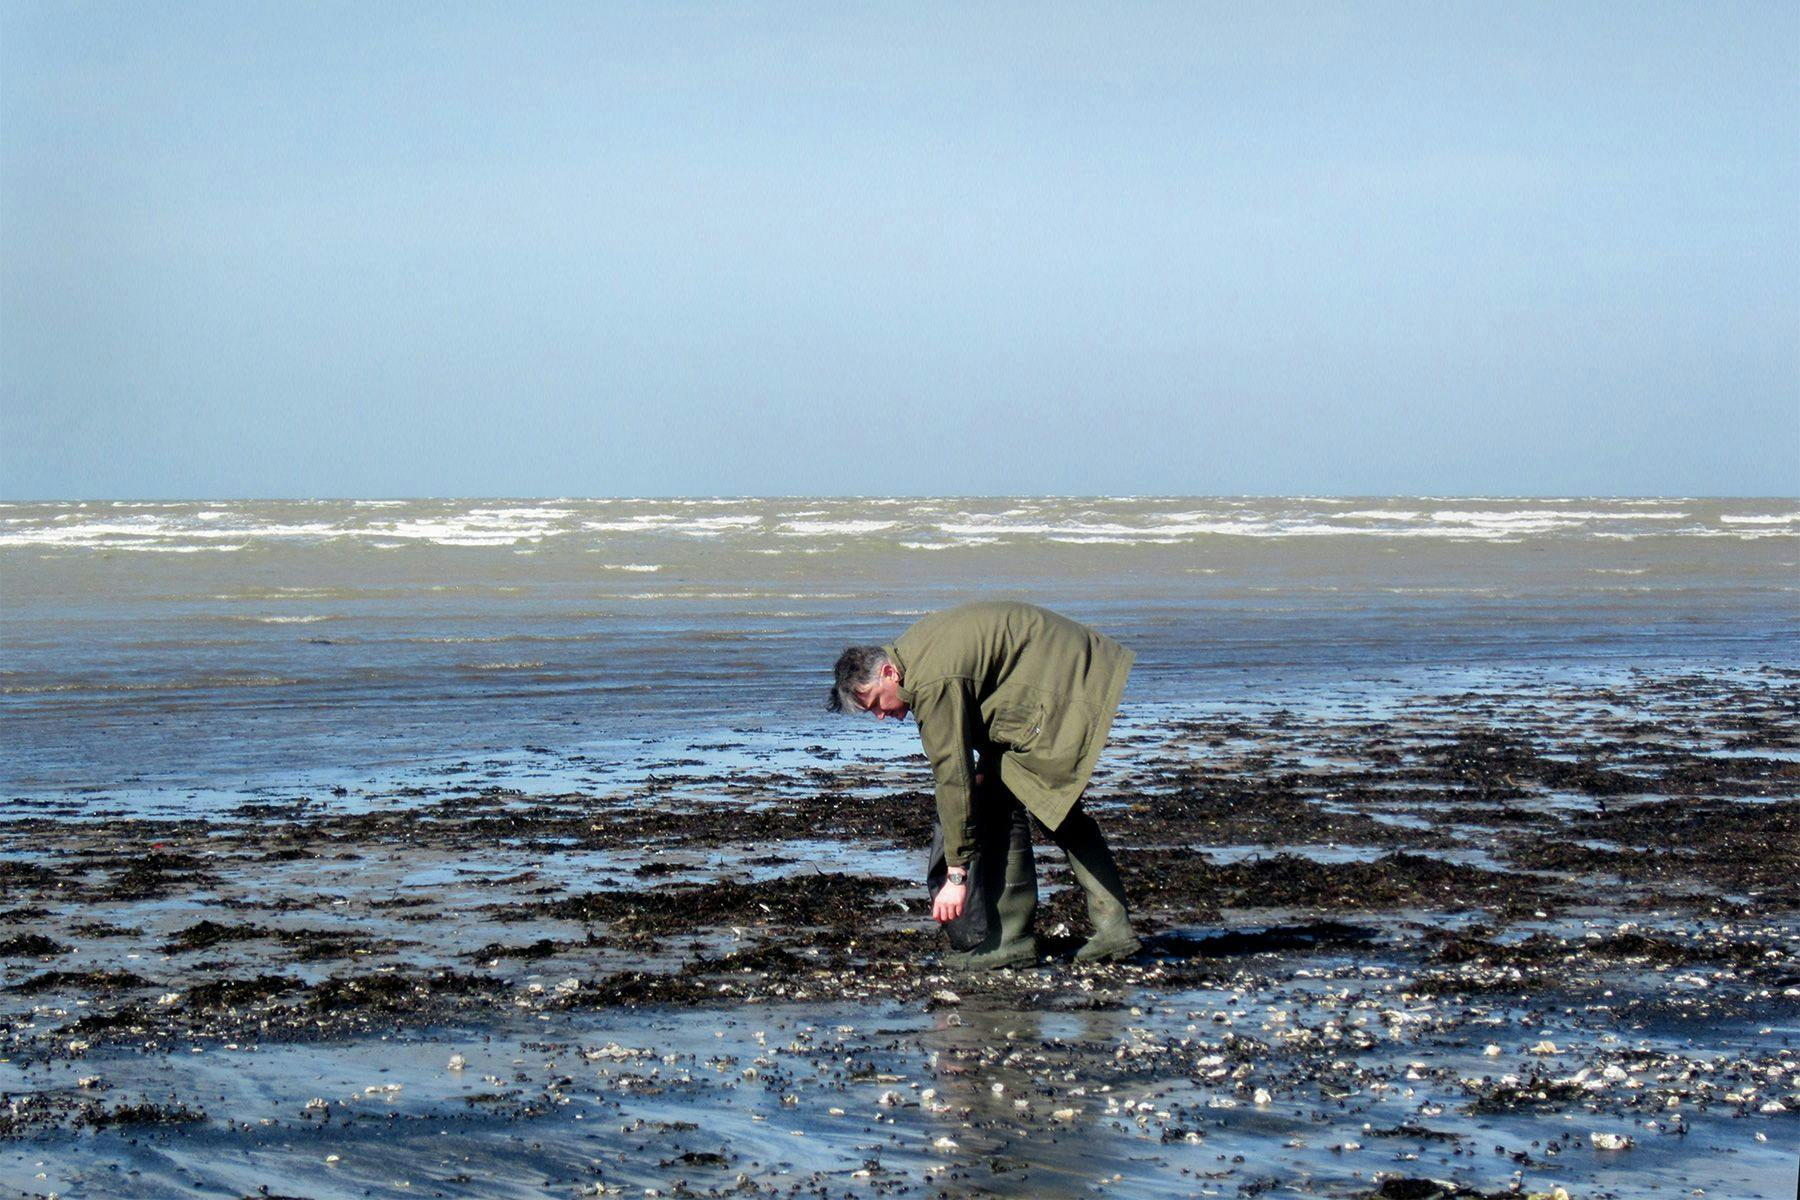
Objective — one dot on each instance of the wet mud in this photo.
(1493, 942)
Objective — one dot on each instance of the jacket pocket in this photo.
(1062, 739)
(1017, 726)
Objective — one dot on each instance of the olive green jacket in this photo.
(1035, 688)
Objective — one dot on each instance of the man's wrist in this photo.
(957, 876)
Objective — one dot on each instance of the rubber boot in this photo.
(1091, 862)
(1012, 897)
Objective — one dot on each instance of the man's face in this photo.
(882, 697)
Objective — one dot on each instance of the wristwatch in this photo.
(957, 875)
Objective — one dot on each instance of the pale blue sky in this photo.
(528, 249)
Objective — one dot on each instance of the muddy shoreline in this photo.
(1478, 938)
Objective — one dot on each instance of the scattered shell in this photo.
(457, 1062)
(1611, 1141)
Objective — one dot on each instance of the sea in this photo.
(170, 657)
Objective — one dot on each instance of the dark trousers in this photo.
(1003, 873)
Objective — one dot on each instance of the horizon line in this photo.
(766, 496)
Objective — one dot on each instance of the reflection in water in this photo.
(1017, 1123)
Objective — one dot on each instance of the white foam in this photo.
(1527, 515)
(1093, 530)
(673, 523)
(1471, 533)
(211, 549)
(305, 620)
(830, 528)
(141, 532)
(449, 535)
(770, 526)
(519, 514)
(1102, 540)
(694, 596)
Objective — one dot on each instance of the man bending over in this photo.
(1013, 704)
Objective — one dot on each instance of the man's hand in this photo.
(948, 905)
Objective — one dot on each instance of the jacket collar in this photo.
(893, 653)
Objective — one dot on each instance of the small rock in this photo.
(1611, 1141)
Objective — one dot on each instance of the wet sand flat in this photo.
(1486, 942)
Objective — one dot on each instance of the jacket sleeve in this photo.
(946, 714)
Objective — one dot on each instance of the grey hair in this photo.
(856, 667)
